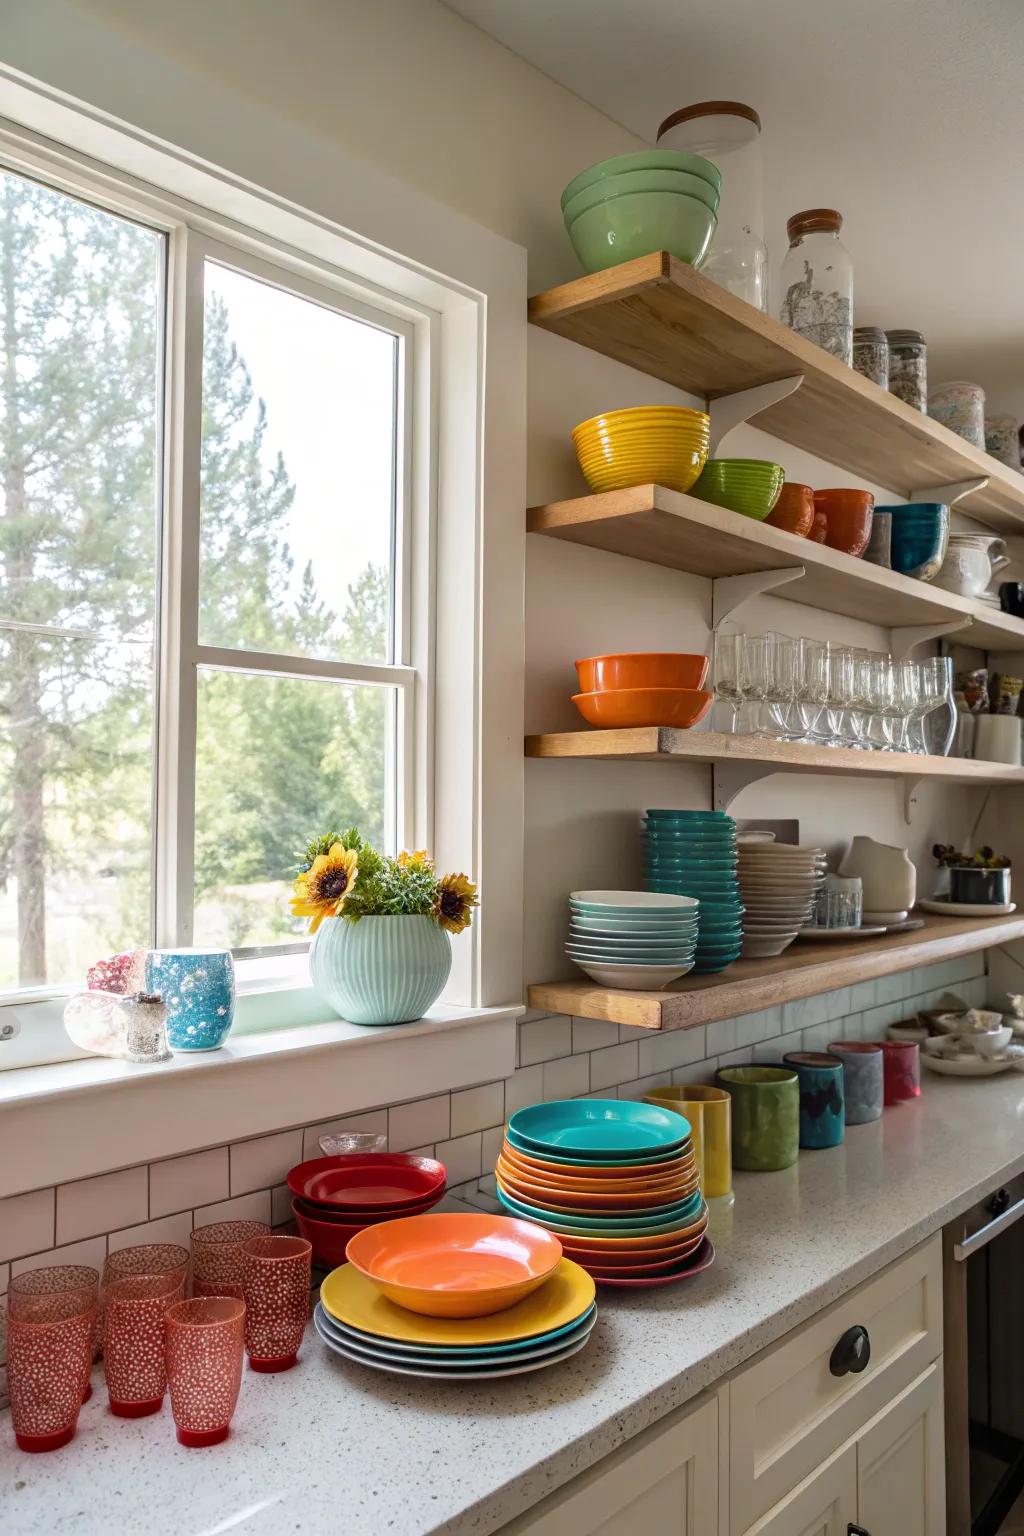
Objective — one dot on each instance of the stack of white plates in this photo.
(779, 883)
(635, 939)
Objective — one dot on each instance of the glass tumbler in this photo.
(133, 1347)
(204, 1342)
(811, 687)
(217, 1256)
(277, 1278)
(726, 677)
(50, 1317)
(753, 681)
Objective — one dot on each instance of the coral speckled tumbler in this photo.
(205, 1338)
(50, 1317)
(277, 1280)
(217, 1259)
(133, 1350)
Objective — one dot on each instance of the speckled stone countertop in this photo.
(330, 1447)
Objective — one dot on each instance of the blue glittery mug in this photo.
(198, 989)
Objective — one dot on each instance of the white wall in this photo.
(412, 88)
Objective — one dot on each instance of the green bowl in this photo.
(748, 486)
(644, 160)
(639, 223)
(640, 181)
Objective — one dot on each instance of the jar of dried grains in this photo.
(817, 282)
(908, 368)
(1002, 439)
(960, 406)
(871, 354)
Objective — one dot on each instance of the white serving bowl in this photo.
(633, 978)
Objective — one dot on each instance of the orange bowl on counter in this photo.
(794, 510)
(627, 708)
(642, 669)
(848, 517)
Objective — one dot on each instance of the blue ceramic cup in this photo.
(822, 1098)
(198, 989)
(863, 1064)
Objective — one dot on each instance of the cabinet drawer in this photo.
(788, 1412)
(665, 1480)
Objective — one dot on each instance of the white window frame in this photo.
(470, 357)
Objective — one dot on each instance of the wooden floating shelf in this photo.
(804, 970)
(660, 316)
(648, 522)
(655, 744)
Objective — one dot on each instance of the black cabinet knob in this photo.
(856, 1530)
(851, 1354)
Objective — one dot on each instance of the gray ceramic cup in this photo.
(863, 1078)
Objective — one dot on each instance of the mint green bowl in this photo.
(749, 486)
(639, 223)
(640, 181)
(644, 160)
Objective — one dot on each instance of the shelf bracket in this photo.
(909, 798)
(951, 492)
(727, 779)
(907, 636)
(729, 411)
(729, 593)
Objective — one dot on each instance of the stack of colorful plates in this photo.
(357, 1321)
(693, 853)
(334, 1198)
(779, 883)
(617, 1182)
(632, 939)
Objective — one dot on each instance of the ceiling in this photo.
(906, 115)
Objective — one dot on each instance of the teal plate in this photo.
(590, 1162)
(569, 1226)
(613, 956)
(582, 1126)
(680, 1214)
(718, 818)
(454, 1352)
(670, 914)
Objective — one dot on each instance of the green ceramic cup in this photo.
(765, 1117)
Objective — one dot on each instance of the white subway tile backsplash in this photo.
(566, 1078)
(280, 1205)
(264, 1161)
(593, 1035)
(864, 994)
(169, 1229)
(697, 1072)
(752, 1027)
(805, 1011)
(740, 1058)
(774, 1050)
(462, 1158)
(887, 989)
(525, 1086)
(26, 1223)
(664, 1052)
(616, 1064)
(425, 1120)
(180, 1183)
(545, 1040)
(633, 1032)
(91, 1250)
(490, 1146)
(875, 1021)
(5, 1270)
(375, 1120)
(477, 1109)
(252, 1207)
(819, 1036)
(92, 1206)
(637, 1088)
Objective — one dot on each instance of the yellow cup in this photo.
(709, 1111)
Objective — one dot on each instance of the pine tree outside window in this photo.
(205, 585)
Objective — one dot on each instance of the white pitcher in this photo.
(888, 873)
(970, 563)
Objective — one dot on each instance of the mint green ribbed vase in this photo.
(381, 970)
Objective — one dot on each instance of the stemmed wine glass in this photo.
(782, 685)
(811, 687)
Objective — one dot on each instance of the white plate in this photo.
(967, 908)
(633, 978)
(375, 1363)
(586, 938)
(837, 935)
(663, 903)
(966, 1066)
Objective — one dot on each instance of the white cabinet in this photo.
(664, 1481)
(901, 1488)
(824, 1504)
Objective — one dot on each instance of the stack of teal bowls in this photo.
(633, 205)
(693, 853)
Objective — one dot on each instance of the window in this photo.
(206, 605)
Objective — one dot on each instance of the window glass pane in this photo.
(278, 761)
(298, 500)
(76, 745)
(80, 397)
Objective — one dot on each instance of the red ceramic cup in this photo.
(217, 1261)
(794, 510)
(901, 1061)
(204, 1341)
(277, 1280)
(133, 1344)
(49, 1356)
(54, 1292)
(848, 517)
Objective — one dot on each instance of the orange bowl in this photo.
(623, 708)
(642, 669)
(794, 510)
(452, 1265)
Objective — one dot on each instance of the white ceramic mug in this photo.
(997, 739)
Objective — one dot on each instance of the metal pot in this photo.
(980, 887)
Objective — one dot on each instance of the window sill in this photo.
(73, 1119)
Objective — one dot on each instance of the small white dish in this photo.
(967, 908)
(967, 1066)
(990, 1043)
(839, 935)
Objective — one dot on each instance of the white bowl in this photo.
(988, 1044)
(633, 978)
(755, 948)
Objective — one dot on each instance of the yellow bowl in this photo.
(677, 468)
(680, 415)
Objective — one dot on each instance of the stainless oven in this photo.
(983, 1302)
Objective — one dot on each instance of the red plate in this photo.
(332, 1215)
(367, 1180)
(631, 1258)
(702, 1259)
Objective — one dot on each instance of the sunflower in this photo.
(453, 906)
(418, 860)
(321, 890)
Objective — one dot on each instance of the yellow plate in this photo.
(351, 1298)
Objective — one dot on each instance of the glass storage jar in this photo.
(1002, 439)
(908, 368)
(729, 134)
(871, 354)
(960, 406)
(817, 282)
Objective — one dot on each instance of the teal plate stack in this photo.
(693, 853)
